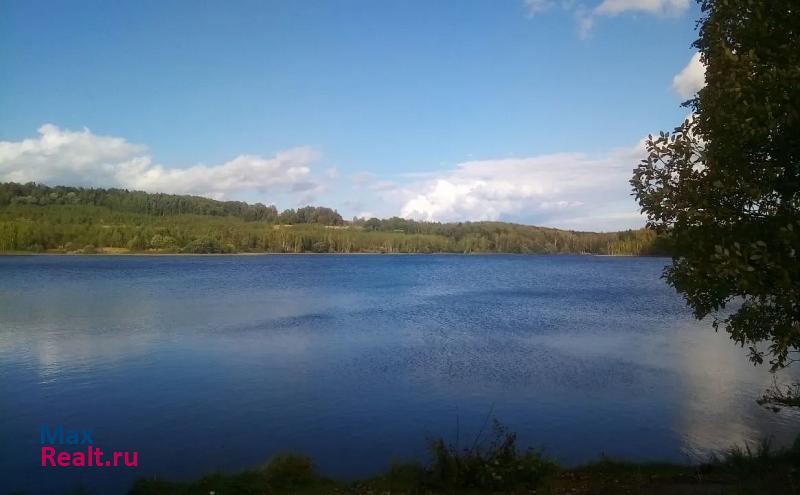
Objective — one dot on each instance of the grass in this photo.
(500, 467)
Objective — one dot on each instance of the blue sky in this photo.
(522, 110)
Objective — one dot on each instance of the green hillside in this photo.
(38, 218)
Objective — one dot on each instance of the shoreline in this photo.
(360, 253)
(761, 470)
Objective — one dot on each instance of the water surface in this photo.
(207, 363)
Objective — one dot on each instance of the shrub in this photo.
(286, 471)
(137, 243)
(500, 466)
(203, 245)
(159, 241)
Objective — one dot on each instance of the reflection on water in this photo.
(216, 363)
(721, 385)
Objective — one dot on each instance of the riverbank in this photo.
(126, 252)
(741, 471)
(41, 219)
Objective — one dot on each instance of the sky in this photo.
(530, 111)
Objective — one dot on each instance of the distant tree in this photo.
(204, 245)
(137, 243)
(288, 216)
(372, 224)
(140, 221)
(724, 185)
(159, 241)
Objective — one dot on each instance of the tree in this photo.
(724, 185)
(140, 221)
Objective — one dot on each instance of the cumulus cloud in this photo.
(564, 189)
(68, 156)
(691, 79)
(61, 156)
(572, 190)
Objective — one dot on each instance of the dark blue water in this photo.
(209, 363)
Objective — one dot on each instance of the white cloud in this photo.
(660, 7)
(586, 13)
(64, 157)
(564, 189)
(572, 190)
(691, 79)
(538, 6)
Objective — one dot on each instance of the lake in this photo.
(216, 363)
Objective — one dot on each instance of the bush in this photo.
(286, 471)
(407, 477)
(137, 243)
(761, 460)
(203, 245)
(159, 241)
(500, 466)
(319, 247)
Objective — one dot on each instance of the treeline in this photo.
(159, 204)
(515, 238)
(91, 220)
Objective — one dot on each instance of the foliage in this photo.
(748, 461)
(290, 471)
(408, 477)
(499, 466)
(284, 473)
(158, 204)
(763, 470)
(121, 224)
(779, 396)
(724, 185)
(204, 245)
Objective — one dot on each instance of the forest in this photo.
(39, 218)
